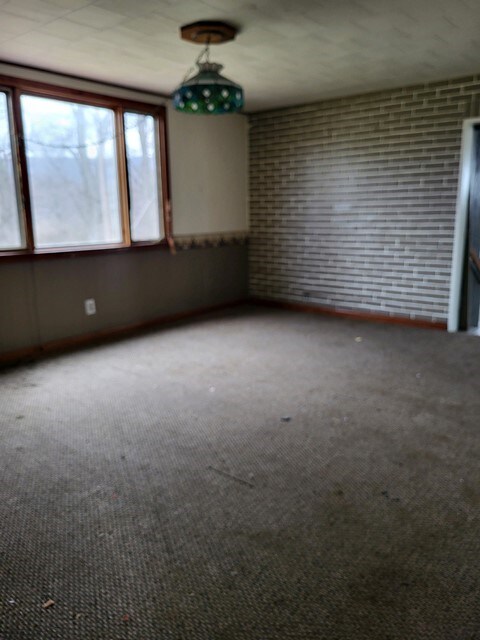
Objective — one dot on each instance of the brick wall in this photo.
(352, 201)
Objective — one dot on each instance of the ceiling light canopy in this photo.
(207, 91)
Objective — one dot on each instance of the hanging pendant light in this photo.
(208, 92)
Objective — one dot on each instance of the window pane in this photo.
(10, 234)
(72, 169)
(145, 204)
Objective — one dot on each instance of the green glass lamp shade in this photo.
(208, 92)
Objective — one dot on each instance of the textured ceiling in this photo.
(287, 52)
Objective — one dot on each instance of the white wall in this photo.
(209, 154)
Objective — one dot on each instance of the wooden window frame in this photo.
(15, 88)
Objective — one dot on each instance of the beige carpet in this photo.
(254, 475)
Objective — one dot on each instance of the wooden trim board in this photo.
(75, 342)
(115, 333)
(355, 315)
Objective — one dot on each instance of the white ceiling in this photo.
(288, 52)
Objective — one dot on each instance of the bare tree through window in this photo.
(72, 168)
(140, 135)
(80, 170)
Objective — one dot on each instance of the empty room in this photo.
(239, 320)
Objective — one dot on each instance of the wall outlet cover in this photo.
(90, 307)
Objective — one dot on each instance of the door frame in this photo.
(461, 220)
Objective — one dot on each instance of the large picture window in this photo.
(90, 171)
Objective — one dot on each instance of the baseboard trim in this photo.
(106, 335)
(347, 313)
(115, 333)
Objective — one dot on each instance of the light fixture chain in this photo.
(205, 53)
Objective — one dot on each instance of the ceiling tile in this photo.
(284, 54)
(35, 10)
(70, 4)
(66, 29)
(94, 16)
(16, 25)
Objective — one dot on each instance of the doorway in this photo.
(470, 299)
(464, 310)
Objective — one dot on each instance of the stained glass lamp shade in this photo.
(207, 91)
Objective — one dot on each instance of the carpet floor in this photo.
(256, 474)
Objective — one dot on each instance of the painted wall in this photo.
(209, 155)
(353, 200)
(42, 299)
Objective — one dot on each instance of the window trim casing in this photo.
(17, 177)
(15, 88)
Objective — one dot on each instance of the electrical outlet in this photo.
(90, 307)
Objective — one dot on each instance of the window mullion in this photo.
(122, 175)
(21, 170)
(165, 175)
